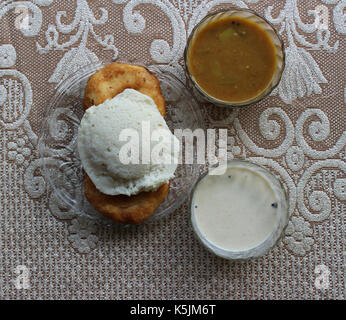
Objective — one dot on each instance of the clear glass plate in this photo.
(61, 165)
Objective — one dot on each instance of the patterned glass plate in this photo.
(61, 165)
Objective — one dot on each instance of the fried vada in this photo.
(114, 78)
(105, 84)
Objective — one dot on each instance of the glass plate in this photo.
(61, 165)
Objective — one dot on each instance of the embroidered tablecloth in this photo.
(49, 252)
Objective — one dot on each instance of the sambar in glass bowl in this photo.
(234, 57)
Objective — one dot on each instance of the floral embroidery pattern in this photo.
(299, 236)
(82, 234)
(8, 56)
(78, 57)
(302, 75)
(18, 152)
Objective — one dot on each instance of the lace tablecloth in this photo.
(47, 252)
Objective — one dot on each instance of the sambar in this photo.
(233, 59)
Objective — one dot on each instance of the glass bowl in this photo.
(266, 26)
(278, 230)
(61, 165)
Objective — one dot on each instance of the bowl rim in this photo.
(220, 102)
(84, 73)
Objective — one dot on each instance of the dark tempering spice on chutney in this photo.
(232, 59)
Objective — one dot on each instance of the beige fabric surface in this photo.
(298, 132)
